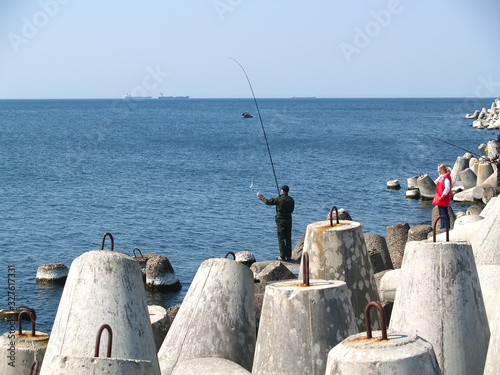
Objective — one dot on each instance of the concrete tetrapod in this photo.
(299, 324)
(216, 318)
(209, 366)
(22, 348)
(440, 300)
(492, 365)
(394, 353)
(339, 252)
(102, 287)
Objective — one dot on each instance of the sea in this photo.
(179, 177)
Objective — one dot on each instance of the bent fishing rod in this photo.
(261, 123)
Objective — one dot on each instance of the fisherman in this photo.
(443, 193)
(284, 208)
(496, 159)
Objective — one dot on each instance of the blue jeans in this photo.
(443, 211)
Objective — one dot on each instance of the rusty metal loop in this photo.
(111, 238)
(305, 268)
(98, 340)
(368, 323)
(230, 253)
(34, 368)
(140, 252)
(331, 216)
(447, 228)
(19, 321)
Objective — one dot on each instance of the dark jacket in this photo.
(284, 208)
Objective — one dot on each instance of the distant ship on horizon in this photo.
(303, 97)
(128, 96)
(172, 97)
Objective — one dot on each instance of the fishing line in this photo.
(448, 143)
(261, 123)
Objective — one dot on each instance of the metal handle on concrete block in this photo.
(305, 269)
(111, 238)
(34, 368)
(140, 252)
(331, 216)
(230, 253)
(368, 322)
(98, 340)
(19, 320)
(447, 228)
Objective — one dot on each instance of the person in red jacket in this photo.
(443, 193)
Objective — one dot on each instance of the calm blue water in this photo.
(174, 177)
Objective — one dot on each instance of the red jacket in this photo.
(438, 200)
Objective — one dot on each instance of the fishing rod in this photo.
(449, 143)
(261, 123)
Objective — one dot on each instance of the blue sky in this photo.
(327, 48)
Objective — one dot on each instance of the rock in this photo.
(419, 232)
(52, 273)
(297, 251)
(171, 313)
(343, 215)
(378, 252)
(396, 237)
(393, 184)
(245, 257)
(276, 271)
(426, 186)
(160, 274)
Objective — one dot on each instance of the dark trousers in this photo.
(443, 211)
(285, 240)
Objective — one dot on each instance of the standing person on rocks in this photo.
(284, 208)
(496, 159)
(443, 193)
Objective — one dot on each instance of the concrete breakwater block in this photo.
(299, 324)
(396, 237)
(339, 252)
(460, 165)
(64, 365)
(209, 366)
(378, 251)
(216, 318)
(159, 322)
(492, 364)
(103, 287)
(245, 257)
(440, 299)
(484, 170)
(393, 185)
(412, 183)
(52, 273)
(413, 194)
(160, 274)
(426, 186)
(400, 354)
(20, 349)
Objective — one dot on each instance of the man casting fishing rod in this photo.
(284, 208)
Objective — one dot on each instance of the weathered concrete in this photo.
(297, 250)
(216, 318)
(102, 287)
(440, 299)
(483, 235)
(21, 351)
(412, 183)
(245, 257)
(378, 252)
(300, 324)
(72, 365)
(484, 170)
(52, 273)
(159, 323)
(419, 232)
(401, 354)
(492, 364)
(340, 253)
(389, 284)
(393, 184)
(469, 178)
(426, 186)
(413, 194)
(466, 220)
(276, 271)
(460, 164)
(160, 274)
(209, 366)
(489, 278)
(396, 237)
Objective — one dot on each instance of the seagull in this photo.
(251, 185)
